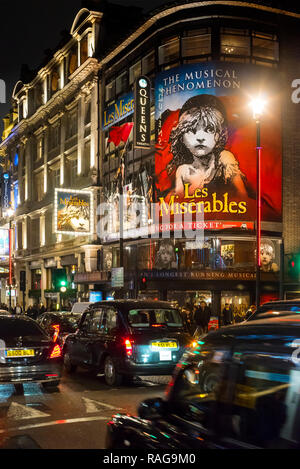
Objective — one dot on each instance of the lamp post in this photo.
(258, 105)
(9, 213)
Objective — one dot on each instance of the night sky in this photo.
(30, 27)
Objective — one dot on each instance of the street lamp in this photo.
(258, 106)
(9, 213)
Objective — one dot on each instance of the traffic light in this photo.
(143, 283)
(294, 266)
(59, 279)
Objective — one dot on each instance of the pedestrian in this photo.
(201, 318)
(227, 315)
(250, 311)
(18, 309)
(187, 314)
(42, 309)
(34, 312)
(29, 311)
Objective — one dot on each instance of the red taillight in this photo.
(128, 347)
(56, 328)
(56, 352)
(157, 325)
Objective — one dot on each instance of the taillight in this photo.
(128, 347)
(56, 352)
(56, 328)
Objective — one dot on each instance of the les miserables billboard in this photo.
(73, 211)
(205, 159)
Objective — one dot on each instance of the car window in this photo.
(150, 317)
(18, 327)
(194, 393)
(109, 322)
(265, 401)
(94, 322)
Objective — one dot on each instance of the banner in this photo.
(205, 160)
(73, 211)
(4, 243)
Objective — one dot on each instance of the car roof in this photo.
(13, 317)
(281, 302)
(285, 322)
(133, 304)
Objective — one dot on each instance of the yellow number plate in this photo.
(164, 344)
(19, 353)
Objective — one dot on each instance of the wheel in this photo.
(51, 384)
(112, 377)
(68, 365)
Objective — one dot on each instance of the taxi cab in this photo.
(238, 389)
(127, 338)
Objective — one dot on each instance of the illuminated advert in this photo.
(205, 159)
(73, 211)
(4, 243)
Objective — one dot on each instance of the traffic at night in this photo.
(149, 228)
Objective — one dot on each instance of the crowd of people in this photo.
(198, 317)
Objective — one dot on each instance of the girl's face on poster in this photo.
(165, 254)
(266, 256)
(202, 140)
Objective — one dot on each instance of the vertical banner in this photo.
(5, 193)
(142, 113)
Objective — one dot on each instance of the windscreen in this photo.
(152, 317)
(69, 323)
(19, 328)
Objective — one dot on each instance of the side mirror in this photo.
(151, 409)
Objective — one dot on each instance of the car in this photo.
(127, 338)
(27, 353)
(275, 308)
(59, 324)
(237, 390)
(4, 312)
(80, 307)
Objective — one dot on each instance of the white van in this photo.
(80, 307)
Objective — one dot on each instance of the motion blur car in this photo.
(127, 338)
(59, 324)
(238, 389)
(27, 353)
(272, 308)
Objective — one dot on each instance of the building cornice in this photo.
(169, 11)
(55, 104)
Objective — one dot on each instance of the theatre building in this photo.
(205, 63)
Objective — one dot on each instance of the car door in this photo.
(109, 338)
(193, 396)
(80, 345)
(262, 410)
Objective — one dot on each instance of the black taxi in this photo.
(127, 338)
(239, 389)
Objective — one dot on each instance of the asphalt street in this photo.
(74, 415)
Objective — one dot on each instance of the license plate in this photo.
(165, 355)
(160, 345)
(19, 353)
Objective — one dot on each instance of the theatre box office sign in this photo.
(73, 211)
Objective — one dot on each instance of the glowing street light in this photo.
(258, 106)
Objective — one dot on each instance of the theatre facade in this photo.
(191, 183)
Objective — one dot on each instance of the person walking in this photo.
(227, 315)
(201, 318)
(250, 311)
(18, 309)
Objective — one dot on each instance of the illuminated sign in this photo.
(142, 113)
(122, 108)
(5, 192)
(95, 296)
(205, 159)
(73, 212)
